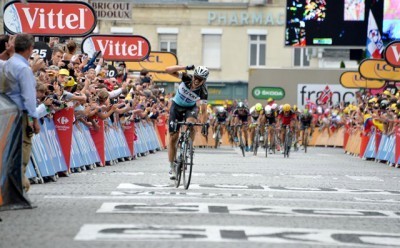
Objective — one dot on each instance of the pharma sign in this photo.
(118, 47)
(112, 10)
(49, 18)
(264, 93)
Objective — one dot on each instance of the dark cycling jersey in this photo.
(306, 118)
(221, 116)
(185, 97)
(243, 115)
(271, 118)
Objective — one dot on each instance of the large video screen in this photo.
(391, 21)
(330, 22)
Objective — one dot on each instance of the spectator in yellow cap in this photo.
(62, 77)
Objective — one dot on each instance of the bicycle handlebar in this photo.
(190, 124)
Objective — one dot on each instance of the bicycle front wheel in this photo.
(266, 142)
(241, 143)
(256, 142)
(305, 140)
(187, 163)
(178, 167)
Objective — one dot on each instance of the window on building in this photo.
(168, 43)
(301, 57)
(212, 50)
(258, 46)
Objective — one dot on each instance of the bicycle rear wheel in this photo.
(187, 163)
(286, 145)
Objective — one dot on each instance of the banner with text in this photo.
(313, 92)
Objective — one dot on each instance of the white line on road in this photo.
(365, 178)
(208, 233)
(240, 209)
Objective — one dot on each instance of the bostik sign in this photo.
(118, 47)
(49, 18)
(392, 54)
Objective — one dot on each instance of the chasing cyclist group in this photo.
(255, 120)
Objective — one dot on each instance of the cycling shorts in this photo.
(179, 113)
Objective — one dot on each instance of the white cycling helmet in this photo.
(274, 106)
(220, 109)
(268, 109)
(201, 71)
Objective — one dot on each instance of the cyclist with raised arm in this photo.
(285, 118)
(191, 96)
(241, 116)
(255, 112)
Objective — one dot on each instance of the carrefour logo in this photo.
(63, 120)
(275, 93)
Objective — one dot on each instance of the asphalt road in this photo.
(324, 198)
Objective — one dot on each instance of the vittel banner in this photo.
(49, 18)
(118, 47)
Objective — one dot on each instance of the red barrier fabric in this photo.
(63, 121)
(364, 144)
(129, 132)
(99, 140)
(162, 129)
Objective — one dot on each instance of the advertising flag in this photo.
(374, 40)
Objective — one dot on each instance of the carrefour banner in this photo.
(11, 193)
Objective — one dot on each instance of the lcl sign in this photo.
(49, 18)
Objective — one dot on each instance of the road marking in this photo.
(365, 178)
(128, 195)
(207, 233)
(262, 188)
(240, 209)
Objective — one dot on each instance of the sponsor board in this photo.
(276, 93)
(379, 69)
(392, 54)
(156, 63)
(314, 91)
(353, 79)
(112, 10)
(49, 18)
(118, 47)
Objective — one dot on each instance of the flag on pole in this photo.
(325, 95)
(374, 39)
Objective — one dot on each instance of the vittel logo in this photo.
(118, 47)
(50, 18)
(63, 120)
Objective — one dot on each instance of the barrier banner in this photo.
(129, 133)
(370, 150)
(364, 144)
(397, 147)
(346, 137)
(382, 150)
(162, 129)
(11, 193)
(54, 143)
(63, 121)
(99, 140)
(378, 137)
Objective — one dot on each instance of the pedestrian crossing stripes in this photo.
(240, 209)
(209, 233)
